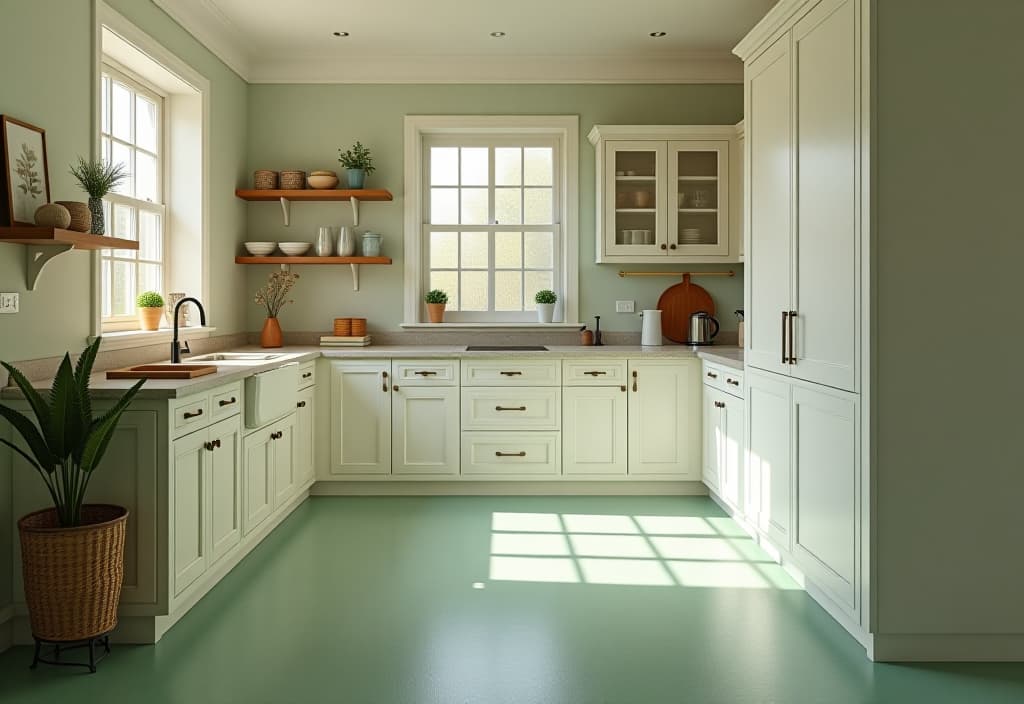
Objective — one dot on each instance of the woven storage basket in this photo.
(73, 575)
(293, 180)
(358, 327)
(81, 218)
(263, 180)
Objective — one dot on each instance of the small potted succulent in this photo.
(150, 308)
(436, 300)
(358, 163)
(98, 178)
(545, 301)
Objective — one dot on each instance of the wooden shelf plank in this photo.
(312, 260)
(53, 236)
(314, 194)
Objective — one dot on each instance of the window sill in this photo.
(498, 327)
(143, 338)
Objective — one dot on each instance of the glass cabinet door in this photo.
(634, 186)
(698, 177)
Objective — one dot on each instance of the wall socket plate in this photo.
(625, 306)
(9, 302)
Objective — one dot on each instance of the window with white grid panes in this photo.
(131, 133)
(491, 236)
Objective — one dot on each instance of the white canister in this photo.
(650, 332)
(346, 242)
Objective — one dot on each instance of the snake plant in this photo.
(65, 443)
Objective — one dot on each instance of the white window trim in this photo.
(106, 16)
(564, 128)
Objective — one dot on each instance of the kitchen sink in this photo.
(506, 348)
(236, 357)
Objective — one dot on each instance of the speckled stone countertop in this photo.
(228, 372)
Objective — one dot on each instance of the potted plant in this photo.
(436, 300)
(150, 309)
(545, 301)
(72, 554)
(98, 178)
(274, 296)
(358, 163)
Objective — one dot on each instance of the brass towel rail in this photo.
(623, 274)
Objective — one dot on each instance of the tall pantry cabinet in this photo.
(805, 246)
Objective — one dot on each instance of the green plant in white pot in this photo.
(545, 301)
(72, 554)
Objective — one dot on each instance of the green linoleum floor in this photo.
(517, 600)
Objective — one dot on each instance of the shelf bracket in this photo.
(355, 214)
(36, 258)
(355, 276)
(286, 209)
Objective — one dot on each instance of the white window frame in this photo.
(559, 130)
(139, 86)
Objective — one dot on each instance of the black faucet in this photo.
(175, 348)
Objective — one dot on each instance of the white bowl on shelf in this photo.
(260, 249)
(294, 249)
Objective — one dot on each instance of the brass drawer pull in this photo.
(622, 388)
(595, 373)
(634, 380)
(307, 375)
(785, 317)
(792, 352)
(300, 404)
(395, 387)
(228, 402)
(511, 373)
(510, 408)
(510, 454)
(277, 436)
(734, 382)
(208, 446)
(384, 376)
(425, 373)
(712, 375)
(719, 404)
(186, 415)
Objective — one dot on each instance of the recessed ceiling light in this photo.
(341, 34)
(497, 34)
(657, 34)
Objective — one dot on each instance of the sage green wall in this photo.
(302, 126)
(949, 249)
(47, 81)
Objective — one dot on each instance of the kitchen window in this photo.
(131, 133)
(494, 217)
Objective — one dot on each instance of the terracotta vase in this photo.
(436, 312)
(149, 318)
(271, 334)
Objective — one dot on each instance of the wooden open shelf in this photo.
(310, 195)
(285, 262)
(45, 243)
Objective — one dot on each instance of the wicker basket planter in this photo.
(73, 575)
(293, 180)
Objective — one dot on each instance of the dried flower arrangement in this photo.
(274, 295)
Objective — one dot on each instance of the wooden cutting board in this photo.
(678, 303)
(162, 371)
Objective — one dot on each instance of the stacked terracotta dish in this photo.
(348, 332)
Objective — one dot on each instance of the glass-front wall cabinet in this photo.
(664, 199)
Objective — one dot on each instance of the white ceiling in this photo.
(449, 40)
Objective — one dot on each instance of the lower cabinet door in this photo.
(665, 418)
(768, 454)
(511, 453)
(283, 449)
(425, 430)
(594, 430)
(258, 491)
(188, 512)
(225, 487)
(732, 463)
(305, 421)
(713, 432)
(361, 417)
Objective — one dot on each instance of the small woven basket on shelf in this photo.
(263, 180)
(293, 180)
(73, 575)
(81, 218)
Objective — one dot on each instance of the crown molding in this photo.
(211, 28)
(777, 21)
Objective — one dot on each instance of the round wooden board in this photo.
(678, 303)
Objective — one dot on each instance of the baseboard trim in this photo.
(947, 647)
(6, 627)
(509, 488)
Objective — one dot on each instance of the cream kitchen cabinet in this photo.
(360, 425)
(723, 446)
(594, 430)
(664, 425)
(425, 418)
(269, 456)
(769, 464)
(664, 193)
(305, 424)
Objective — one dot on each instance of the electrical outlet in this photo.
(8, 302)
(624, 306)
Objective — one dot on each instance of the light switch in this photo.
(624, 306)
(8, 302)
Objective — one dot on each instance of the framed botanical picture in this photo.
(25, 180)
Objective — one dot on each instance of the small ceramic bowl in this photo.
(294, 249)
(260, 249)
(322, 181)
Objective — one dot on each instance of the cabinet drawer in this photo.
(511, 453)
(427, 372)
(226, 401)
(511, 409)
(307, 374)
(191, 414)
(525, 372)
(581, 372)
(723, 378)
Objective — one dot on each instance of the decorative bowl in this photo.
(322, 181)
(260, 249)
(294, 249)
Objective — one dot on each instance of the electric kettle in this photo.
(703, 328)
